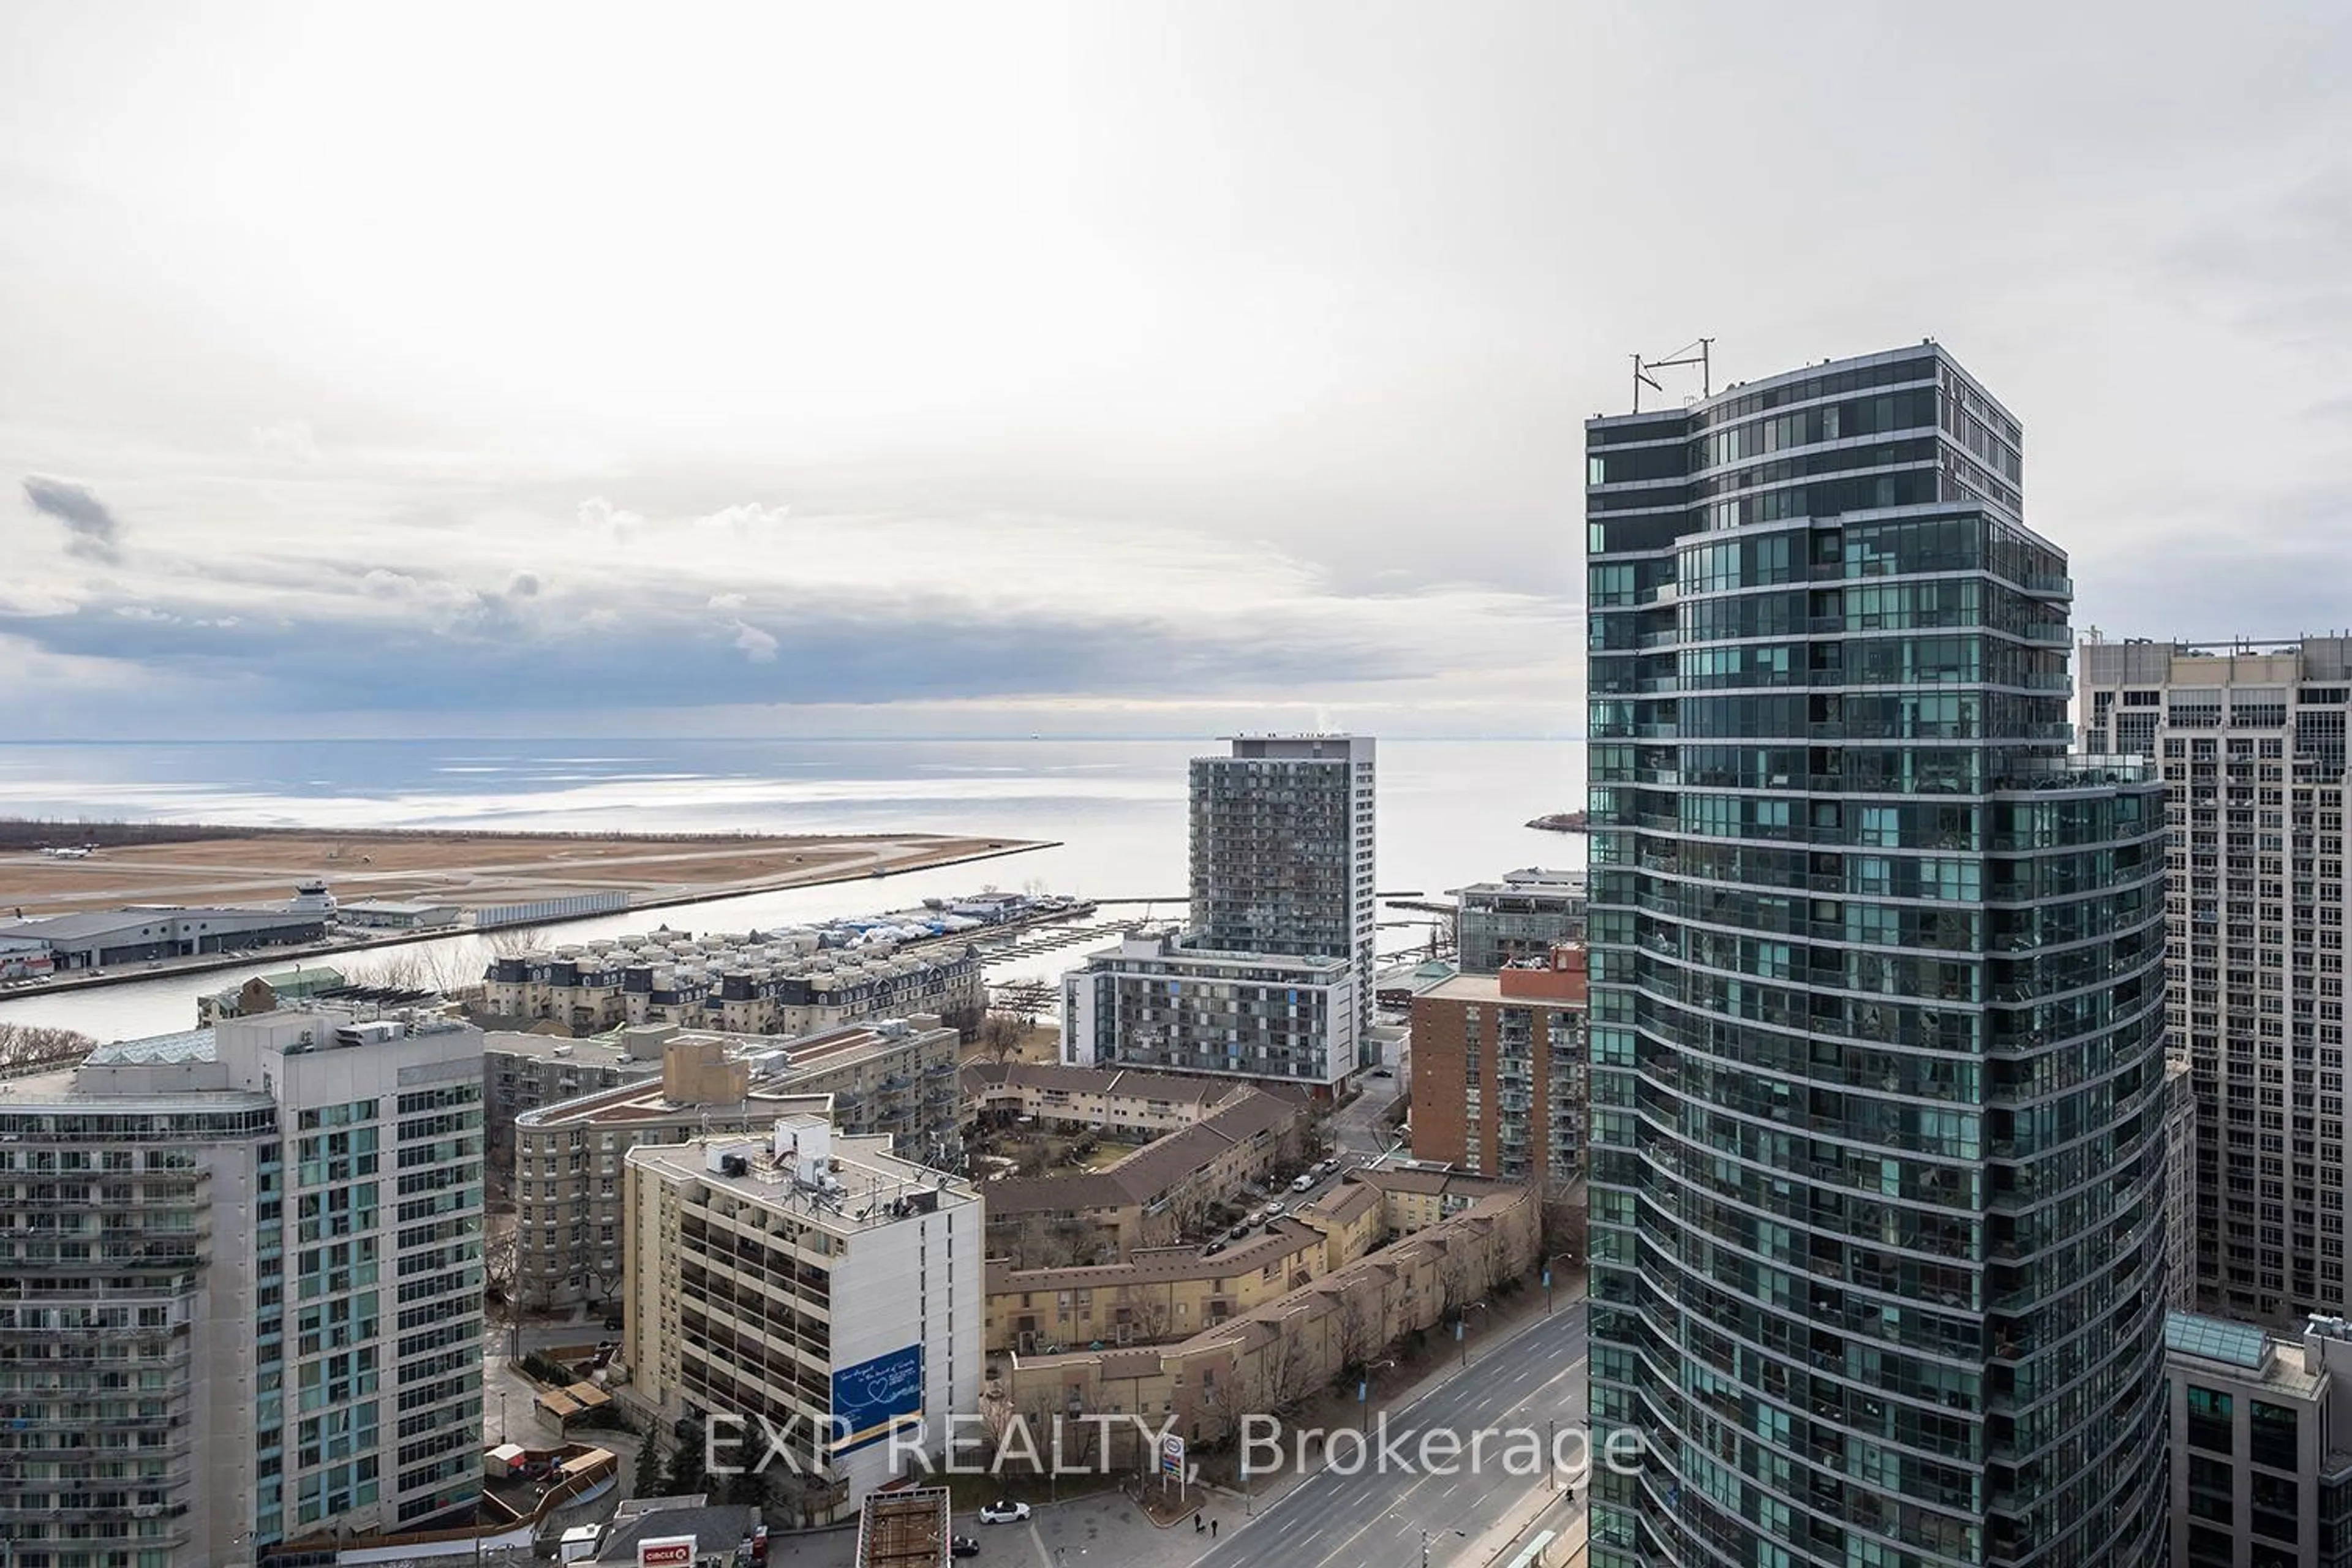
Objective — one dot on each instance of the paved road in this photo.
(1355, 1127)
(1376, 1521)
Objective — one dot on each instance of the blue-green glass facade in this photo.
(1878, 1002)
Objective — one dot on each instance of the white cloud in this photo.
(757, 646)
(388, 584)
(742, 520)
(26, 598)
(601, 516)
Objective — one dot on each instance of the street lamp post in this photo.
(1364, 1392)
(1548, 1263)
(1462, 1328)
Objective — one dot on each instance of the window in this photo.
(2211, 1416)
(2273, 1429)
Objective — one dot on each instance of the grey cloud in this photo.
(667, 652)
(92, 531)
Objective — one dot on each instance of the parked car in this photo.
(962, 1546)
(1003, 1512)
(615, 1323)
(1383, 1072)
(1302, 1184)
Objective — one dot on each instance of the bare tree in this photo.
(1037, 1413)
(1076, 1440)
(1287, 1371)
(1147, 1314)
(499, 1263)
(414, 969)
(24, 1046)
(1564, 1228)
(1353, 1322)
(1454, 1284)
(513, 942)
(996, 1419)
(1038, 1243)
(606, 1273)
(1001, 1035)
(1315, 1139)
(1220, 1398)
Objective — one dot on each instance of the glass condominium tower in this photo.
(1877, 1001)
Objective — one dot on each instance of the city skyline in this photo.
(1045, 369)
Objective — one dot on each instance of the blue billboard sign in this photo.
(868, 1398)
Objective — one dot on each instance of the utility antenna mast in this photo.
(1681, 358)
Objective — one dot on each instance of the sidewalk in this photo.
(1544, 1510)
(1111, 1530)
(1332, 1409)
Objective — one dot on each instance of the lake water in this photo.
(1451, 812)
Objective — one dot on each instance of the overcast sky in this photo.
(1115, 367)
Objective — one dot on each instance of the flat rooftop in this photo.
(826, 1047)
(2275, 1362)
(642, 1098)
(904, 1528)
(1534, 879)
(872, 1180)
(1149, 947)
(1489, 988)
(552, 1047)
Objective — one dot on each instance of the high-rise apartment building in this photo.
(1281, 852)
(1274, 976)
(2251, 737)
(808, 1284)
(1500, 1071)
(241, 1291)
(1878, 1162)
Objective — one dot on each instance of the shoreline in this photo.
(265, 959)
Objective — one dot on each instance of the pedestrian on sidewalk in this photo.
(1199, 1524)
(1213, 1529)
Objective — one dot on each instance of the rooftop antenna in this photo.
(1679, 359)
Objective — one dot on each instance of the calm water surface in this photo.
(1450, 812)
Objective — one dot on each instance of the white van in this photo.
(1303, 1182)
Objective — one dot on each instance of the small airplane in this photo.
(67, 853)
